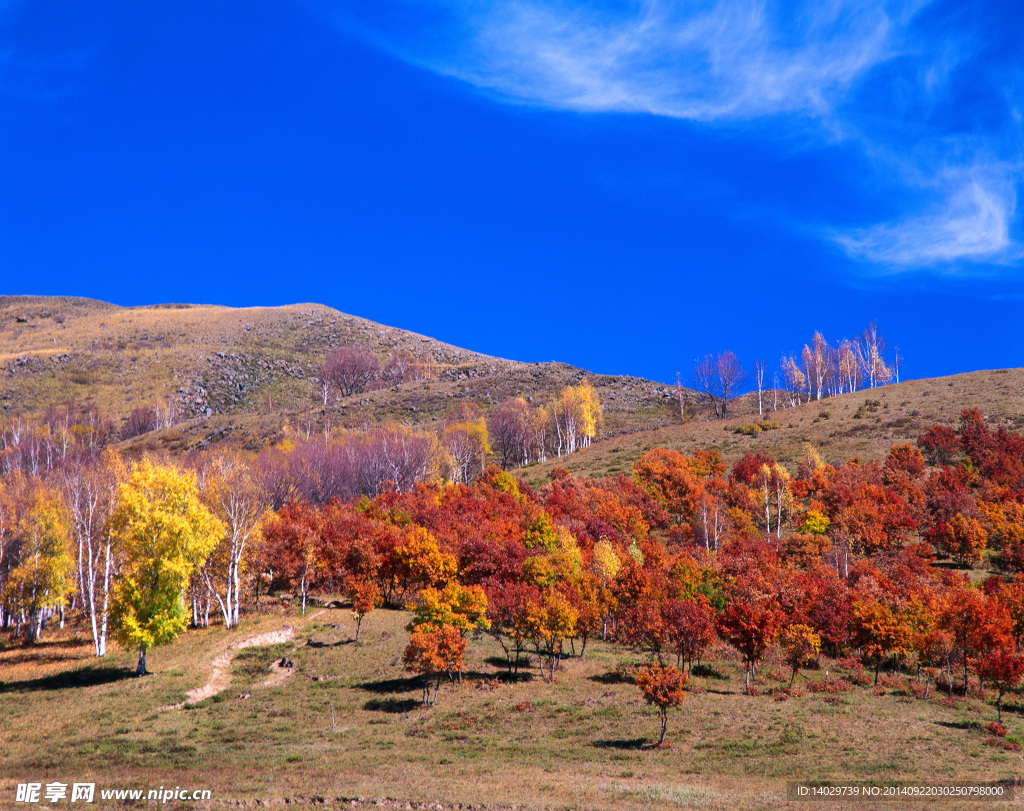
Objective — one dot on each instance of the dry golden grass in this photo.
(864, 424)
(582, 742)
(254, 369)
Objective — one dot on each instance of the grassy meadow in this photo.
(348, 726)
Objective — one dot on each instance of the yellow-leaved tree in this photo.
(577, 416)
(163, 533)
(468, 445)
(43, 570)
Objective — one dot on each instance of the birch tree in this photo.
(760, 369)
(235, 497)
(42, 568)
(164, 533)
(89, 491)
(872, 362)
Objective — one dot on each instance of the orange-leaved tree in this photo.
(879, 632)
(365, 597)
(664, 688)
(433, 652)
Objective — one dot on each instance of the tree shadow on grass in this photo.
(415, 683)
(312, 643)
(960, 724)
(623, 743)
(502, 662)
(385, 686)
(393, 705)
(611, 677)
(82, 677)
(706, 671)
(1012, 709)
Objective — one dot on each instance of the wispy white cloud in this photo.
(732, 59)
(970, 222)
(725, 61)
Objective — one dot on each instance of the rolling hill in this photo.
(241, 375)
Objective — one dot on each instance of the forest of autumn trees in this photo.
(835, 559)
(864, 561)
(61, 486)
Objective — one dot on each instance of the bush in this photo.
(755, 428)
(830, 684)
(863, 679)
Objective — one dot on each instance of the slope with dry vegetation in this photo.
(862, 424)
(240, 375)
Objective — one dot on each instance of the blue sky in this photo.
(621, 185)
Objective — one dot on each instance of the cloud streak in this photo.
(736, 61)
(971, 222)
(728, 60)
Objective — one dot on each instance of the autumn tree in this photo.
(793, 379)
(89, 488)
(365, 598)
(466, 442)
(690, 625)
(750, 624)
(398, 368)
(511, 609)
(41, 573)
(870, 351)
(512, 428)
(434, 651)
(774, 495)
(550, 622)
(1003, 669)
(801, 645)
(718, 377)
(294, 553)
(420, 561)
(664, 688)
(350, 368)
(163, 532)
(605, 565)
(963, 538)
(461, 607)
(847, 367)
(940, 444)
(879, 631)
(577, 416)
(238, 500)
(977, 624)
(817, 365)
(667, 476)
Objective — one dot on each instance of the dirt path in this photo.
(220, 678)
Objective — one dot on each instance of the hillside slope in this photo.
(241, 374)
(863, 424)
